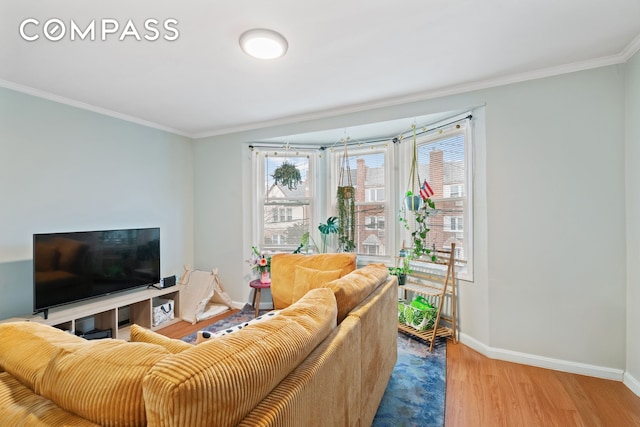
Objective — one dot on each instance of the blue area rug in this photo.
(415, 395)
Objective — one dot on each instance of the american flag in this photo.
(426, 191)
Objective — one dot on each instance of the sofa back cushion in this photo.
(283, 272)
(27, 347)
(217, 383)
(352, 289)
(102, 381)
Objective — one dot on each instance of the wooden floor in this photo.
(483, 392)
(182, 329)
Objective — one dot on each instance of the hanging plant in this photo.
(287, 174)
(346, 206)
(421, 206)
(346, 215)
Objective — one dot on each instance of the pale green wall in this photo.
(632, 87)
(67, 169)
(549, 256)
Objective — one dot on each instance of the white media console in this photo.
(106, 310)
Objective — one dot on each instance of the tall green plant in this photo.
(331, 227)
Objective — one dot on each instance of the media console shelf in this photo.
(105, 311)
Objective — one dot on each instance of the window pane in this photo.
(371, 207)
(286, 210)
(442, 164)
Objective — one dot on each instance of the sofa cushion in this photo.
(27, 348)
(283, 271)
(306, 279)
(20, 406)
(353, 288)
(217, 383)
(140, 334)
(102, 381)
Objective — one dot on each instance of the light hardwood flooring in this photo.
(182, 329)
(483, 392)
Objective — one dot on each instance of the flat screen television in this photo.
(75, 266)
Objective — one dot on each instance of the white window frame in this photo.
(406, 151)
(390, 182)
(258, 177)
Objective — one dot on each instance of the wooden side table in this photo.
(257, 289)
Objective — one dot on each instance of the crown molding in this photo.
(84, 106)
(631, 49)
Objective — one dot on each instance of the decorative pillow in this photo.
(206, 335)
(353, 288)
(305, 279)
(140, 334)
(283, 267)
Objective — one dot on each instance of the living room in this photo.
(556, 281)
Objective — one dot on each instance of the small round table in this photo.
(257, 289)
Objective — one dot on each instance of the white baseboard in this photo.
(632, 383)
(546, 362)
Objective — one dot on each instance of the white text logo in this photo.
(55, 29)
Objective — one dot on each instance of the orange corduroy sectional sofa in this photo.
(323, 360)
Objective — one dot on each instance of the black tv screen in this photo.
(69, 267)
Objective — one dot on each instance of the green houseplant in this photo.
(345, 203)
(287, 174)
(331, 227)
(421, 206)
(346, 218)
(402, 270)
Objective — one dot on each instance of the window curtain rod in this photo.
(395, 140)
(277, 147)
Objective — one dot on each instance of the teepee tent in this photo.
(202, 295)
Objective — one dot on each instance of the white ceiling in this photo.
(343, 55)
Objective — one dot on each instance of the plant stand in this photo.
(441, 292)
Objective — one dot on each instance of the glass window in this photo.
(443, 163)
(286, 211)
(369, 178)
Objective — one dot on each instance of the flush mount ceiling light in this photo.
(263, 44)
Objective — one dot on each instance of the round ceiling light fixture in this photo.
(263, 44)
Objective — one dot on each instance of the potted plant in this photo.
(287, 174)
(331, 227)
(412, 201)
(346, 219)
(260, 263)
(420, 245)
(401, 271)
